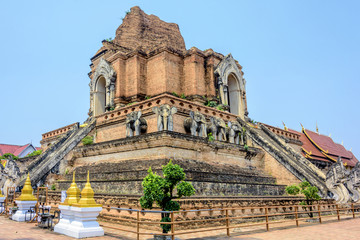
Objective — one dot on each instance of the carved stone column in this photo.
(112, 93)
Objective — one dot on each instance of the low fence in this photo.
(145, 222)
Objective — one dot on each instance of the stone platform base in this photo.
(78, 232)
(24, 206)
(79, 222)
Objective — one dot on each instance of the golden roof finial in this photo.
(27, 191)
(342, 142)
(285, 127)
(73, 193)
(302, 127)
(317, 129)
(87, 196)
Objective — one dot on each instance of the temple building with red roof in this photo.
(18, 150)
(319, 149)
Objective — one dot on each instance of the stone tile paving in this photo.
(344, 230)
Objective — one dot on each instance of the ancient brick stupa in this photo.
(152, 100)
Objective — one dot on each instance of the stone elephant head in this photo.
(165, 117)
(235, 132)
(196, 124)
(135, 124)
(218, 128)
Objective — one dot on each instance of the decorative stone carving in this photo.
(9, 174)
(235, 132)
(336, 177)
(353, 182)
(135, 124)
(196, 124)
(230, 93)
(217, 128)
(165, 117)
(104, 69)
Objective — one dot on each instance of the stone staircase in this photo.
(287, 156)
(51, 158)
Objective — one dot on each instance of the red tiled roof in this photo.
(7, 148)
(334, 150)
(14, 149)
(20, 149)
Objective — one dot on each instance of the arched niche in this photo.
(100, 96)
(102, 88)
(234, 96)
(231, 86)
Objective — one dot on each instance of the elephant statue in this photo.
(196, 124)
(243, 131)
(165, 117)
(218, 128)
(135, 124)
(335, 179)
(235, 132)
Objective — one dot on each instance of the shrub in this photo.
(7, 156)
(305, 188)
(175, 94)
(53, 187)
(35, 153)
(211, 104)
(220, 107)
(211, 137)
(88, 140)
(160, 190)
(246, 147)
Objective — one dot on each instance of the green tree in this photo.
(7, 156)
(160, 190)
(305, 188)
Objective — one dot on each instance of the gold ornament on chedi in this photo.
(73, 193)
(87, 196)
(27, 191)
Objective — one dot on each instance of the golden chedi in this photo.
(87, 196)
(73, 193)
(27, 191)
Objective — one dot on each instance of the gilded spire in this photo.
(317, 128)
(73, 193)
(87, 196)
(285, 127)
(27, 191)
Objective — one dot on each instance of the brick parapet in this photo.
(59, 131)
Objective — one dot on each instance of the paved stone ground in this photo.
(344, 230)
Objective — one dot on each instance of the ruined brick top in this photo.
(148, 33)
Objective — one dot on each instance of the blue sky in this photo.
(300, 58)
